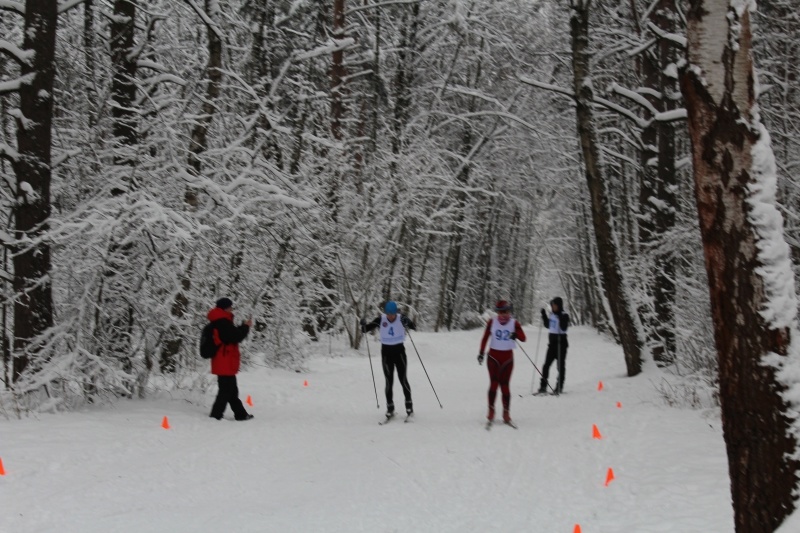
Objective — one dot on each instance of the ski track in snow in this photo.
(315, 458)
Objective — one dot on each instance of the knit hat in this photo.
(502, 305)
(224, 303)
(390, 308)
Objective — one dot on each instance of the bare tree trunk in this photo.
(33, 306)
(198, 145)
(608, 253)
(731, 155)
(123, 83)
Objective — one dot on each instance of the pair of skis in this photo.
(389, 417)
(489, 424)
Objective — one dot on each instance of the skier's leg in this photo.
(493, 367)
(505, 380)
(402, 366)
(562, 368)
(551, 356)
(388, 373)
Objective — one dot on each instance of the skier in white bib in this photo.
(393, 353)
(501, 333)
(557, 323)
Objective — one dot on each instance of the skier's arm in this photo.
(563, 321)
(407, 322)
(372, 325)
(486, 333)
(545, 319)
(519, 334)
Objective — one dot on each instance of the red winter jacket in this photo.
(227, 336)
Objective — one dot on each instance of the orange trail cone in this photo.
(305, 383)
(609, 476)
(596, 432)
(577, 529)
(2, 470)
(249, 401)
(619, 405)
(165, 423)
(600, 386)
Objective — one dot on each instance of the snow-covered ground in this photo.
(315, 459)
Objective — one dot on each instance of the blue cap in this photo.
(390, 308)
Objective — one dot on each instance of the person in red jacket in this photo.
(503, 331)
(225, 364)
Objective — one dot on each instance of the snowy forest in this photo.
(311, 159)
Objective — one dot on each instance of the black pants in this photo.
(228, 394)
(556, 351)
(394, 356)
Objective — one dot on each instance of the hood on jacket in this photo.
(559, 303)
(217, 313)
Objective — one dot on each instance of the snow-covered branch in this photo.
(10, 5)
(23, 57)
(15, 84)
(621, 110)
(633, 96)
(671, 116)
(212, 26)
(8, 153)
(67, 5)
(546, 86)
(333, 45)
(383, 4)
(675, 38)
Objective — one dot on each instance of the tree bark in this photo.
(607, 248)
(123, 83)
(33, 305)
(718, 85)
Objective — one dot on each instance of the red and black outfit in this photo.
(500, 362)
(225, 364)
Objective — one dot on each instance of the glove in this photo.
(363, 325)
(513, 335)
(480, 358)
(544, 314)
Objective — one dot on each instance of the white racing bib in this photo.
(501, 335)
(392, 332)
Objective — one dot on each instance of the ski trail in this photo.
(315, 459)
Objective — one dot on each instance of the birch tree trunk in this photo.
(752, 294)
(33, 306)
(607, 248)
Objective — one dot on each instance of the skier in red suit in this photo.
(503, 332)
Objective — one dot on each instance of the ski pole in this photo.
(531, 360)
(423, 368)
(374, 386)
(538, 340)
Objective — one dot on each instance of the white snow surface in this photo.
(315, 459)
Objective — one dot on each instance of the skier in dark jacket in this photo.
(557, 322)
(501, 333)
(393, 328)
(225, 364)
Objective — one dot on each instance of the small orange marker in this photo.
(609, 476)
(249, 401)
(305, 383)
(619, 405)
(165, 423)
(600, 386)
(596, 432)
(577, 529)
(2, 470)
